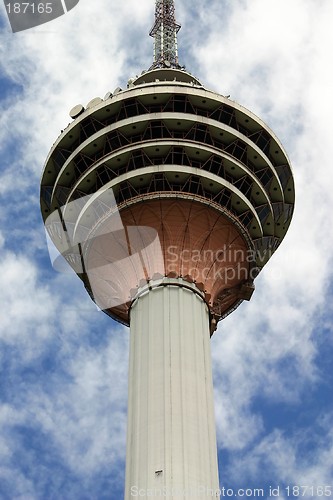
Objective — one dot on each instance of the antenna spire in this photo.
(165, 32)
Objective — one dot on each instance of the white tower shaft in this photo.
(171, 437)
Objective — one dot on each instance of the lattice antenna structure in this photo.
(164, 32)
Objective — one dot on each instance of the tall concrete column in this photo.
(171, 437)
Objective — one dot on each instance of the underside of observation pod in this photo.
(166, 179)
(172, 237)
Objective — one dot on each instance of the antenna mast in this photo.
(165, 32)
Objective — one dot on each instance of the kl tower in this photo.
(167, 199)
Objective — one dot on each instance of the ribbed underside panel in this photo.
(171, 440)
(163, 236)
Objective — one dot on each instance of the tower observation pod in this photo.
(167, 200)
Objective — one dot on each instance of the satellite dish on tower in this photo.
(76, 111)
(167, 64)
(117, 90)
(94, 102)
(107, 96)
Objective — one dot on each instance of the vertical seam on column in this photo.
(204, 360)
(197, 360)
(140, 340)
(129, 437)
(167, 292)
(164, 389)
(133, 399)
(204, 342)
(148, 388)
(180, 304)
(163, 457)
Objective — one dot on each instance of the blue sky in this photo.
(63, 364)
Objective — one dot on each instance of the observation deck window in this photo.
(238, 149)
(246, 218)
(244, 185)
(265, 176)
(59, 157)
(89, 126)
(284, 174)
(225, 114)
(46, 192)
(262, 140)
(263, 212)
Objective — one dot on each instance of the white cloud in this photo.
(25, 307)
(282, 458)
(84, 413)
(75, 413)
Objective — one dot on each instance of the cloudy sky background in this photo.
(63, 364)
